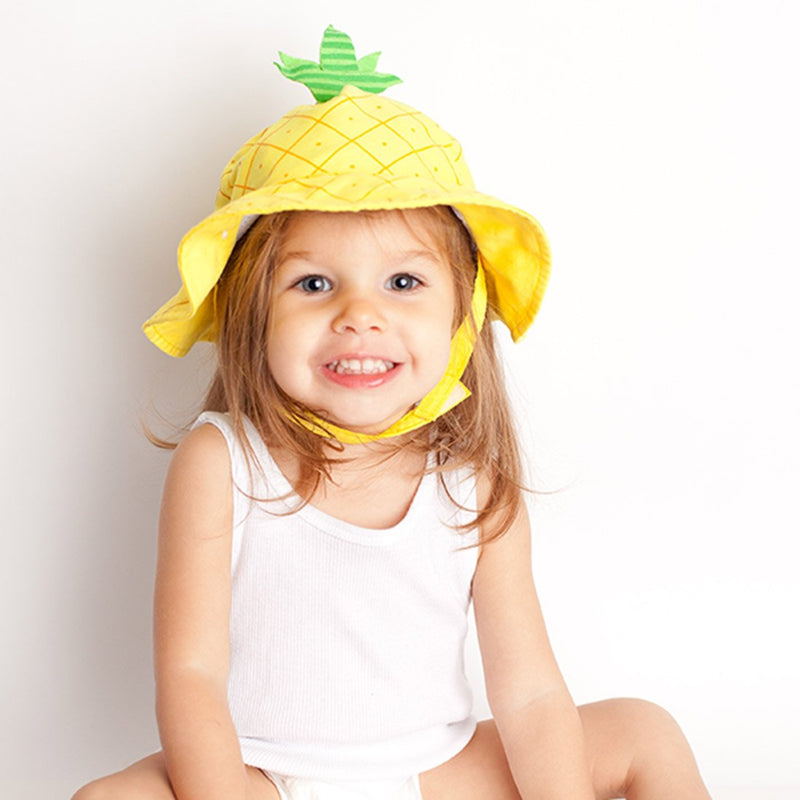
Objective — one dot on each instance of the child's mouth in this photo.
(361, 366)
(361, 373)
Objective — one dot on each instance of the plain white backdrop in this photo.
(658, 391)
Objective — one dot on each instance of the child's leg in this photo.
(635, 749)
(148, 779)
(643, 744)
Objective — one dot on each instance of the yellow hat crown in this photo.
(353, 152)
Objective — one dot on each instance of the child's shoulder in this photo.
(197, 499)
(203, 453)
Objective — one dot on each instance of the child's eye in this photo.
(403, 282)
(313, 284)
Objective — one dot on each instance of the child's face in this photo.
(361, 317)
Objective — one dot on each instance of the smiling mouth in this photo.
(361, 366)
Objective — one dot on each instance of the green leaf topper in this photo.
(337, 68)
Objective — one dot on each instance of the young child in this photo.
(354, 483)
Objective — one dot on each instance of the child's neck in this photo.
(371, 486)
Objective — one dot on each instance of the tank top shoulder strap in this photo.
(259, 476)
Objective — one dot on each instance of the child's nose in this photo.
(360, 312)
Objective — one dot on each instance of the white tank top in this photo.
(347, 642)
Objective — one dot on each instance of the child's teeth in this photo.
(355, 366)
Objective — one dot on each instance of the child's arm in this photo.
(192, 606)
(534, 713)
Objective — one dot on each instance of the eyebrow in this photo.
(302, 255)
(411, 255)
(403, 257)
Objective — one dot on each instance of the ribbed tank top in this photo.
(346, 642)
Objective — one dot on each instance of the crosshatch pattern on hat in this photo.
(355, 134)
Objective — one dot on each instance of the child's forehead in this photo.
(391, 228)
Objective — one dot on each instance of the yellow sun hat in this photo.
(355, 151)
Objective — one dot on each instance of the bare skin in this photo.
(635, 750)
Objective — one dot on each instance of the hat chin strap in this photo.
(449, 392)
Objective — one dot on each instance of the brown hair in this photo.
(478, 433)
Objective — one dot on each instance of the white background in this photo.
(658, 145)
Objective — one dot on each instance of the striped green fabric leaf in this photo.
(368, 63)
(337, 68)
(291, 61)
(336, 51)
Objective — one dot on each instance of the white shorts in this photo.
(291, 788)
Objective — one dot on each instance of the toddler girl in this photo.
(354, 483)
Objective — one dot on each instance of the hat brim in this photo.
(513, 247)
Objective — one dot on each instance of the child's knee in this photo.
(658, 720)
(644, 730)
(118, 786)
(662, 757)
(92, 791)
(660, 746)
(650, 724)
(648, 715)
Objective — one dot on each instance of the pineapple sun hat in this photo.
(355, 151)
